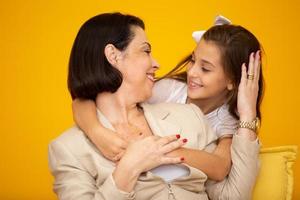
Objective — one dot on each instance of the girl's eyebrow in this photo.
(203, 60)
(207, 62)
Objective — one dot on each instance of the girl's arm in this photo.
(218, 164)
(108, 142)
(215, 165)
(245, 146)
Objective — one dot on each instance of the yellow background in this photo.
(35, 42)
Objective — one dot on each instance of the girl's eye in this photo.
(205, 69)
(148, 51)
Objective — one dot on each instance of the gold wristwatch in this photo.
(253, 125)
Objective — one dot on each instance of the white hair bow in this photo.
(219, 20)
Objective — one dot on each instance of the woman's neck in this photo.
(117, 108)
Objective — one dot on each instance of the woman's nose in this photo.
(155, 64)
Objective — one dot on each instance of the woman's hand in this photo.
(248, 88)
(143, 155)
(147, 153)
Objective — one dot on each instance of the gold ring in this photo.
(250, 76)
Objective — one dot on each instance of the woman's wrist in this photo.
(124, 177)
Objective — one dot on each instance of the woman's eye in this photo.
(148, 51)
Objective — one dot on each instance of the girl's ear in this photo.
(230, 86)
(111, 52)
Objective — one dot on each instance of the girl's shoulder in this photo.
(222, 121)
(169, 90)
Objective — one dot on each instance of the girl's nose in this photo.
(192, 71)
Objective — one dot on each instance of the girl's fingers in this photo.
(122, 144)
(244, 74)
(257, 66)
(118, 156)
(250, 72)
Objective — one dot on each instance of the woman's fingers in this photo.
(171, 160)
(167, 139)
(173, 145)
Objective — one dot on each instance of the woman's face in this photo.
(205, 75)
(138, 66)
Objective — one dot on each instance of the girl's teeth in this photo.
(193, 84)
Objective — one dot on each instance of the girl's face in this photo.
(138, 66)
(205, 75)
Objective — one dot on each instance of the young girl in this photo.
(212, 80)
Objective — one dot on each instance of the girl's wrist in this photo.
(95, 130)
(248, 117)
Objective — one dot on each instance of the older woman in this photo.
(111, 63)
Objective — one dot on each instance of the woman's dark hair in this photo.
(89, 71)
(236, 44)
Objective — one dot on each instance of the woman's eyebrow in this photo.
(147, 43)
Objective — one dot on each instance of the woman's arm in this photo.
(108, 142)
(73, 181)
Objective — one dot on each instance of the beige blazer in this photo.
(82, 173)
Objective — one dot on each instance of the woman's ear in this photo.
(111, 52)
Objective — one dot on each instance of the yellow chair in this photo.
(275, 180)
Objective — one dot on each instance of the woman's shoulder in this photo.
(71, 139)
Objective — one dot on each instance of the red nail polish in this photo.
(182, 158)
(184, 140)
(177, 136)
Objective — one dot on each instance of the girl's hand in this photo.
(110, 144)
(248, 88)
